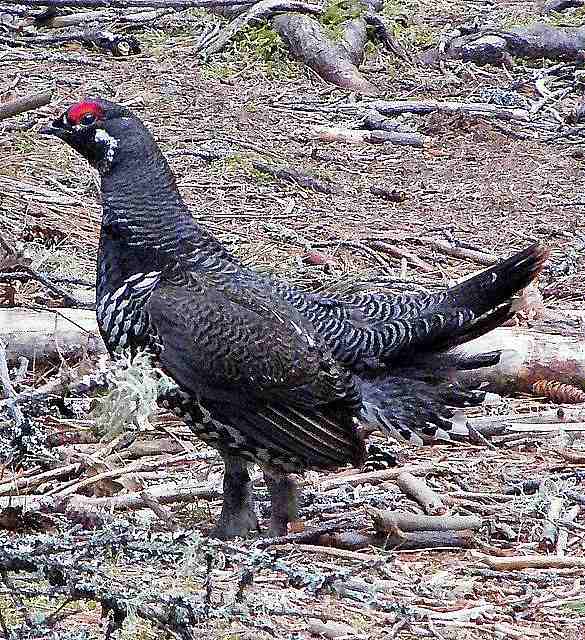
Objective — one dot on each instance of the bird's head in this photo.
(95, 128)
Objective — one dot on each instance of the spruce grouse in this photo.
(285, 377)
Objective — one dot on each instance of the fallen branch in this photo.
(257, 12)
(43, 335)
(571, 455)
(383, 34)
(330, 629)
(21, 484)
(562, 5)
(27, 273)
(550, 532)
(117, 45)
(74, 19)
(387, 520)
(351, 540)
(406, 541)
(373, 477)
(8, 390)
(126, 4)
(423, 107)
(393, 250)
(164, 494)
(495, 46)
(346, 554)
(419, 490)
(296, 177)
(308, 41)
(27, 103)
(563, 537)
(527, 357)
(456, 251)
(360, 136)
(518, 563)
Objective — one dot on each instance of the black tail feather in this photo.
(494, 286)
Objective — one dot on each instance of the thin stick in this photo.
(563, 537)
(330, 551)
(8, 389)
(374, 476)
(517, 563)
(21, 105)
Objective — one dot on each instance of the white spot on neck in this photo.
(108, 141)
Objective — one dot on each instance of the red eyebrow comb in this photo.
(76, 112)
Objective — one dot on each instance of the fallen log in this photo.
(45, 335)
(495, 46)
(528, 356)
(372, 136)
(308, 41)
(388, 520)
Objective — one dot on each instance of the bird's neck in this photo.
(146, 225)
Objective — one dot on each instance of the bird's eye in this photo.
(88, 118)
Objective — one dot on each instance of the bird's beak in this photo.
(56, 128)
(48, 130)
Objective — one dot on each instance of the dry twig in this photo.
(27, 103)
(419, 490)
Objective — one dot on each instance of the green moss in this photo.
(337, 12)
(261, 42)
(578, 608)
(568, 19)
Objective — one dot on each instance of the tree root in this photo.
(494, 46)
(308, 41)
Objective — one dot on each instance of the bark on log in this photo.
(528, 356)
(308, 41)
(387, 520)
(44, 335)
(562, 5)
(27, 103)
(494, 46)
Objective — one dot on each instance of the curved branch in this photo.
(308, 41)
(259, 11)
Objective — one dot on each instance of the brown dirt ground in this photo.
(473, 181)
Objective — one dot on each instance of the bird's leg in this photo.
(283, 497)
(237, 517)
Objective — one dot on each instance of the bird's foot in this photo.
(238, 524)
(283, 496)
(238, 517)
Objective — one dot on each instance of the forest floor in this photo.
(485, 184)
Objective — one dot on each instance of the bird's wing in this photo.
(248, 356)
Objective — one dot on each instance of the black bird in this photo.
(285, 377)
